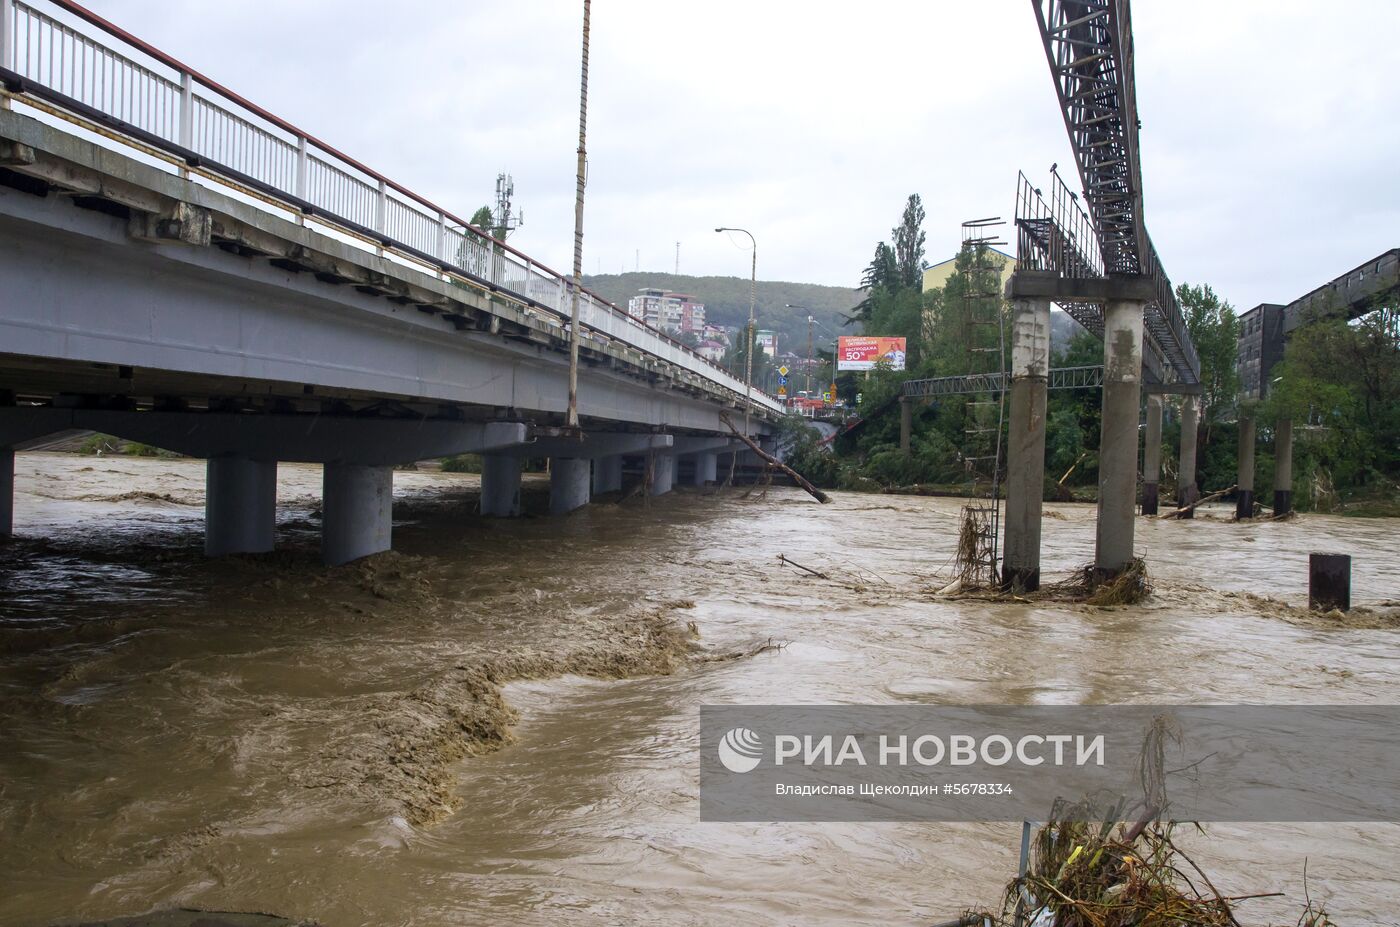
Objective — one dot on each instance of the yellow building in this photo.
(936, 277)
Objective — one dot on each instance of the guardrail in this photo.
(139, 93)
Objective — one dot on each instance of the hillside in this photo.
(726, 302)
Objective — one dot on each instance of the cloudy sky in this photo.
(1270, 137)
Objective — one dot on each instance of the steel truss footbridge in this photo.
(1101, 236)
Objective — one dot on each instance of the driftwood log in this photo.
(798, 478)
(1177, 513)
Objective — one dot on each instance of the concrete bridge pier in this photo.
(1187, 491)
(706, 468)
(500, 485)
(1152, 455)
(240, 505)
(663, 473)
(607, 474)
(1283, 466)
(7, 492)
(1025, 477)
(357, 506)
(568, 484)
(1244, 502)
(1118, 442)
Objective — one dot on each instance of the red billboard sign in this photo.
(862, 353)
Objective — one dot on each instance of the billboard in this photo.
(767, 342)
(861, 353)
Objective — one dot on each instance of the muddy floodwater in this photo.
(497, 723)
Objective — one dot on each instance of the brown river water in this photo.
(265, 734)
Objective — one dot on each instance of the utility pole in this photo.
(678, 259)
(571, 419)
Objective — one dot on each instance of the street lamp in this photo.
(810, 322)
(748, 350)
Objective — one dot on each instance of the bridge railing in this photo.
(67, 58)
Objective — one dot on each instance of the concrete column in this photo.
(1152, 455)
(1283, 466)
(663, 473)
(500, 485)
(906, 425)
(1244, 502)
(7, 492)
(607, 474)
(1187, 492)
(357, 509)
(1025, 449)
(240, 505)
(1118, 440)
(706, 466)
(568, 484)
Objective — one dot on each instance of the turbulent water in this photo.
(264, 734)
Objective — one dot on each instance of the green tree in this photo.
(908, 248)
(1339, 382)
(1214, 330)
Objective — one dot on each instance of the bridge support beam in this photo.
(1025, 452)
(568, 484)
(1152, 454)
(1187, 492)
(1283, 466)
(906, 424)
(357, 507)
(1244, 480)
(500, 485)
(663, 473)
(1118, 441)
(706, 468)
(7, 492)
(240, 505)
(607, 474)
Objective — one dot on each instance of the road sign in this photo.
(782, 381)
(782, 371)
(782, 391)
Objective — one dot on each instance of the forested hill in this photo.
(726, 302)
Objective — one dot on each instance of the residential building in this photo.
(670, 312)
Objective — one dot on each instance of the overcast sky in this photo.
(1270, 128)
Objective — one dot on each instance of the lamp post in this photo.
(810, 322)
(748, 349)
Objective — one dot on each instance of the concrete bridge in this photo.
(184, 269)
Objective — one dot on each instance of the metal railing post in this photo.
(381, 212)
(301, 168)
(7, 44)
(186, 110)
(442, 240)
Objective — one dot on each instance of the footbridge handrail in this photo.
(139, 94)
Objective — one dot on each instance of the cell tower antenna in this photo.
(503, 222)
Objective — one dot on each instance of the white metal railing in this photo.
(138, 92)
